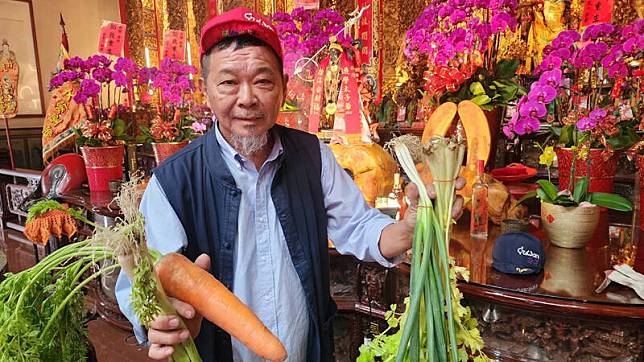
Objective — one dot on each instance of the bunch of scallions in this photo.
(42, 314)
(434, 326)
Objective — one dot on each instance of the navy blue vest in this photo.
(203, 193)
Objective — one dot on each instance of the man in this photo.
(259, 200)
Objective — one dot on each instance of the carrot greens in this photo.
(42, 316)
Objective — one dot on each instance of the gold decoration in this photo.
(200, 13)
(135, 30)
(176, 11)
(625, 11)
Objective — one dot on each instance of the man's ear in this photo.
(204, 90)
(285, 89)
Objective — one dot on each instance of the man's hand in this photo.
(397, 238)
(411, 191)
(165, 330)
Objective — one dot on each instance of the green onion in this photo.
(434, 322)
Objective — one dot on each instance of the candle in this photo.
(189, 53)
(189, 56)
(147, 57)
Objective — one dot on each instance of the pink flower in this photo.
(542, 93)
(551, 78)
(526, 125)
(586, 124)
(198, 127)
(533, 109)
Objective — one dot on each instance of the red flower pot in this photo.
(103, 164)
(602, 172)
(166, 149)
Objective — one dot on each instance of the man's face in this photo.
(245, 90)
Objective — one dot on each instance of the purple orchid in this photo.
(550, 62)
(541, 93)
(586, 124)
(551, 78)
(102, 75)
(88, 88)
(533, 109)
(120, 79)
(526, 125)
(73, 62)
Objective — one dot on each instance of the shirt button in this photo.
(228, 245)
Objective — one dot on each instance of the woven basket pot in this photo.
(569, 227)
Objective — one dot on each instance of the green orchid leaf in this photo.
(581, 188)
(564, 200)
(549, 188)
(543, 196)
(529, 195)
(610, 201)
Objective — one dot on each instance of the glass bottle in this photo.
(397, 196)
(479, 215)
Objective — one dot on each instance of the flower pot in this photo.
(602, 172)
(166, 149)
(569, 227)
(103, 164)
(567, 271)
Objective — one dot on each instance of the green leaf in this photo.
(583, 137)
(564, 200)
(566, 136)
(549, 188)
(487, 107)
(610, 201)
(481, 100)
(581, 188)
(477, 88)
(119, 127)
(506, 69)
(529, 195)
(543, 196)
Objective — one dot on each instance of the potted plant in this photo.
(173, 123)
(570, 216)
(457, 45)
(588, 91)
(101, 83)
(303, 33)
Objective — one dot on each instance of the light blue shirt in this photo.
(264, 276)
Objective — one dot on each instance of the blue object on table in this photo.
(518, 253)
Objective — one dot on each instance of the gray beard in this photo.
(249, 145)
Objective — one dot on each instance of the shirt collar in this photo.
(230, 153)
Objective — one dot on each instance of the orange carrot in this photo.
(187, 282)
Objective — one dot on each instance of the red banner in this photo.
(365, 30)
(111, 38)
(174, 45)
(597, 11)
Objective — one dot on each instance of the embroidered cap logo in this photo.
(251, 17)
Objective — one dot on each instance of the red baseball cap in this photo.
(239, 21)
